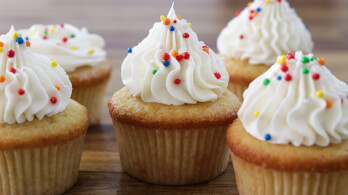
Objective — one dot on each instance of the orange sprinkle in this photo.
(174, 53)
(2, 78)
(254, 14)
(328, 104)
(166, 21)
(321, 61)
(57, 87)
(1, 44)
(282, 62)
(206, 49)
(27, 43)
(249, 4)
(178, 17)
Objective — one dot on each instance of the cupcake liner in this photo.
(47, 170)
(93, 98)
(254, 179)
(237, 89)
(172, 157)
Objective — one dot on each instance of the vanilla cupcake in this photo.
(171, 118)
(42, 131)
(252, 41)
(291, 135)
(81, 55)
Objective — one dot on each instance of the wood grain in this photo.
(124, 23)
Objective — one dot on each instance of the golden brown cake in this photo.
(291, 135)
(252, 41)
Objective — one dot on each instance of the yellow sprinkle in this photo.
(268, 1)
(279, 61)
(319, 94)
(91, 51)
(52, 30)
(1, 49)
(189, 23)
(53, 63)
(162, 17)
(73, 47)
(258, 25)
(257, 113)
(15, 35)
(139, 43)
(283, 57)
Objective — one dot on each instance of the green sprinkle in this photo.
(305, 60)
(46, 33)
(313, 58)
(266, 82)
(154, 71)
(72, 36)
(305, 71)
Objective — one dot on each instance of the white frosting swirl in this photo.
(29, 85)
(304, 105)
(200, 78)
(263, 31)
(66, 44)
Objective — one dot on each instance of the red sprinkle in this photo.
(288, 77)
(217, 75)
(64, 39)
(316, 76)
(241, 37)
(250, 17)
(53, 100)
(62, 25)
(179, 57)
(13, 70)
(45, 37)
(252, 11)
(166, 56)
(341, 100)
(10, 53)
(21, 91)
(177, 81)
(237, 13)
(290, 56)
(186, 35)
(186, 55)
(279, 1)
(174, 21)
(284, 68)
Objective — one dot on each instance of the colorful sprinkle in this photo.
(186, 55)
(328, 104)
(284, 68)
(305, 71)
(217, 75)
(57, 87)
(313, 58)
(54, 63)
(178, 17)
(189, 23)
(241, 36)
(166, 63)
(177, 81)
(268, 137)
(307, 27)
(27, 38)
(10, 53)
(174, 21)
(166, 21)
(171, 28)
(290, 56)
(20, 40)
(257, 113)
(279, 1)
(258, 9)
(266, 82)
(2, 78)
(15, 35)
(62, 25)
(52, 30)
(185, 35)
(154, 71)
(72, 36)
(179, 58)
(305, 59)
(249, 4)
(46, 33)
(13, 70)
(206, 49)
(21, 91)
(64, 39)
(53, 100)
(321, 61)
(1, 44)
(27, 43)
(174, 53)
(165, 56)
(316, 76)
(279, 78)
(130, 50)
(288, 77)
(45, 37)
(251, 18)
(1, 49)
(268, 1)
(73, 47)
(162, 17)
(319, 94)
(237, 14)
(91, 51)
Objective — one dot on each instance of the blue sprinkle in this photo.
(27, 38)
(347, 96)
(130, 50)
(258, 9)
(171, 28)
(166, 63)
(268, 137)
(279, 78)
(20, 40)
(307, 27)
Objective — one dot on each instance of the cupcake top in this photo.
(263, 31)
(298, 101)
(31, 85)
(171, 66)
(69, 46)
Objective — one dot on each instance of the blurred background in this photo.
(124, 23)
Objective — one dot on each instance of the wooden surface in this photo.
(124, 23)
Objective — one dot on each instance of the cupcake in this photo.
(81, 55)
(171, 118)
(42, 131)
(291, 135)
(254, 39)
